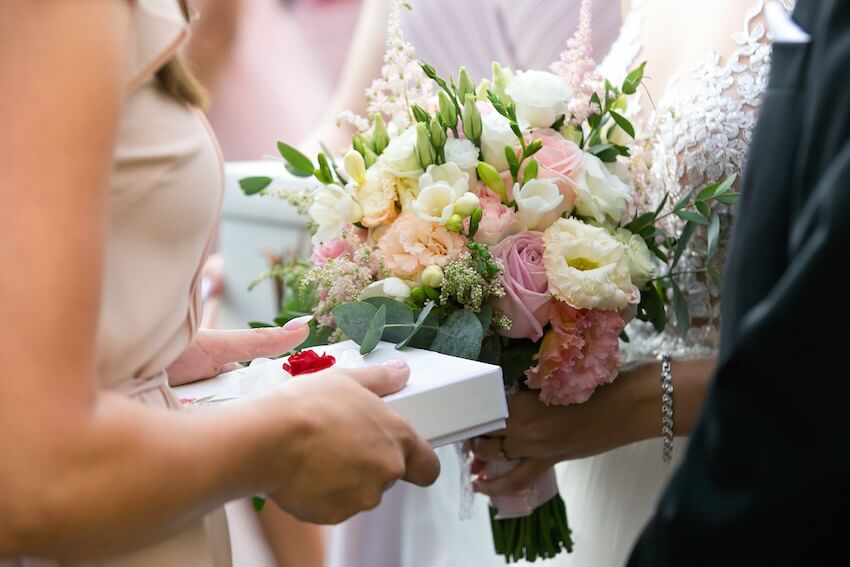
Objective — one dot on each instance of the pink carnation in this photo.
(579, 353)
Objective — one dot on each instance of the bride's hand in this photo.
(213, 352)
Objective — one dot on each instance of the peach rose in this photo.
(497, 221)
(377, 198)
(559, 160)
(412, 244)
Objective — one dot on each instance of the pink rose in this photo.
(410, 245)
(497, 220)
(580, 353)
(330, 250)
(527, 300)
(559, 160)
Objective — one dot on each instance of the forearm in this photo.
(294, 543)
(127, 475)
(691, 378)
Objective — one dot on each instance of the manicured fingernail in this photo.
(297, 323)
(395, 363)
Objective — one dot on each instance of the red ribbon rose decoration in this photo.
(307, 362)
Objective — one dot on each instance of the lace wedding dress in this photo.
(694, 136)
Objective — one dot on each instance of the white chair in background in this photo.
(251, 229)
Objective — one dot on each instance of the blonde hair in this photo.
(176, 78)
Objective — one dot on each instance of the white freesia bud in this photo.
(467, 203)
(540, 203)
(394, 288)
(439, 188)
(600, 193)
(495, 136)
(540, 97)
(432, 276)
(455, 223)
(355, 166)
(400, 155)
(333, 207)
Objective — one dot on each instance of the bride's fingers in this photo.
(486, 448)
(519, 479)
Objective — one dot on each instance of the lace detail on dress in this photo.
(695, 137)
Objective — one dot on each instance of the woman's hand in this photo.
(213, 351)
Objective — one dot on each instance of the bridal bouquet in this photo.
(490, 221)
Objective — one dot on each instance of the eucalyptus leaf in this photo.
(254, 185)
(427, 332)
(354, 319)
(460, 336)
(623, 123)
(713, 235)
(727, 198)
(517, 357)
(683, 202)
(703, 208)
(683, 318)
(707, 192)
(682, 243)
(374, 332)
(491, 349)
(420, 321)
(640, 222)
(397, 314)
(662, 203)
(651, 308)
(485, 316)
(692, 217)
(259, 325)
(296, 162)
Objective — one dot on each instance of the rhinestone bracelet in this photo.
(666, 408)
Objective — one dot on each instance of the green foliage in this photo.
(297, 163)
(254, 185)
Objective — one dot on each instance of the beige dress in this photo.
(166, 190)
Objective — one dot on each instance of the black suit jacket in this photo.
(765, 479)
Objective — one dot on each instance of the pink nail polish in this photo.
(395, 363)
(298, 323)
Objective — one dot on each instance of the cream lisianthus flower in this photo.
(587, 267)
(642, 263)
(600, 193)
(439, 188)
(333, 208)
(377, 197)
(539, 203)
(400, 157)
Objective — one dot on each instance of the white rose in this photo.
(642, 263)
(497, 134)
(439, 188)
(600, 193)
(465, 155)
(587, 267)
(332, 209)
(540, 203)
(541, 97)
(400, 155)
(394, 288)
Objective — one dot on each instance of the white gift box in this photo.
(447, 399)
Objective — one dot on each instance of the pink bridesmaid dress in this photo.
(167, 183)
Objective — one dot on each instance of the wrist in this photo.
(644, 384)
